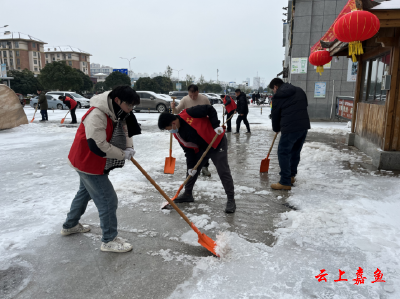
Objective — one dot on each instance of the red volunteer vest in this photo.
(73, 102)
(232, 106)
(203, 127)
(81, 157)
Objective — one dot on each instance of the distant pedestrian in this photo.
(230, 109)
(71, 104)
(42, 103)
(290, 117)
(242, 110)
(253, 98)
(194, 98)
(258, 96)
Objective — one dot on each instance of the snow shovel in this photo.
(223, 116)
(265, 162)
(165, 205)
(170, 161)
(204, 240)
(62, 121)
(37, 105)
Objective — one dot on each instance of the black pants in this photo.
(289, 149)
(73, 116)
(44, 114)
(239, 120)
(220, 159)
(229, 122)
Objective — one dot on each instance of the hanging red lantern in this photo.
(355, 27)
(319, 59)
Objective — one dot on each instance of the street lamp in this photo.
(178, 75)
(4, 26)
(129, 64)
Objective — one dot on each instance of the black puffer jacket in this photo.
(289, 110)
(242, 107)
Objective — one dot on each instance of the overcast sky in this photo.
(237, 37)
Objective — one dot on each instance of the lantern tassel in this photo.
(355, 48)
(320, 69)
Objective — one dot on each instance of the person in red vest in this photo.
(194, 128)
(71, 104)
(230, 107)
(102, 142)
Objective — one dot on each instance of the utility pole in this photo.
(178, 75)
(217, 76)
(129, 73)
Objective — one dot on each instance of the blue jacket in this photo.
(289, 110)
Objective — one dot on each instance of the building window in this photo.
(69, 55)
(374, 70)
(5, 62)
(17, 53)
(54, 59)
(11, 54)
(34, 61)
(3, 44)
(4, 53)
(16, 45)
(34, 45)
(36, 69)
(83, 63)
(58, 55)
(70, 63)
(47, 55)
(11, 62)
(18, 61)
(18, 68)
(34, 54)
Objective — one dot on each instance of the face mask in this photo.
(173, 131)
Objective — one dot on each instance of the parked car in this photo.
(168, 98)
(151, 101)
(213, 99)
(82, 102)
(179, 94)
(52, 102)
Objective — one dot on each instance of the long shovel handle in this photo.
(170, 137)
(161, 192)
(272, 145)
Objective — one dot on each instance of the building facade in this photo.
(307, 22)
(96, 68)
(74, 57)
(21, 51)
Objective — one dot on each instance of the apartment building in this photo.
(96, 68)
(22, 51)
(74, 57)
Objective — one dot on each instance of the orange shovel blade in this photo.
(205, 241)
(166, 204)
(32, 120)
(264, 165)
(62, 121)
(169, 165)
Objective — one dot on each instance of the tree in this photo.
(202, 80)
(144, 83)
(260, 89)
(189, 79)
(87, 83)
(168, 72)
(100, 87)
(162, 84)
(59, 76)
(24, 81)
(115, 79)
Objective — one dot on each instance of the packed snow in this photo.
(344, 218)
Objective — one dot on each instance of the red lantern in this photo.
(319, 59)
(355, 27)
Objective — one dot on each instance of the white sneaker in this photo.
(116, 245)
(79, 228)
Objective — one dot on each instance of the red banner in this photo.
(345, 108)
(329, 36)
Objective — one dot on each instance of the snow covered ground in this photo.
(346, 216)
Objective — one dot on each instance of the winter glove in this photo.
(270, 116)
(192, 172)
(129, 153)
(219, 130)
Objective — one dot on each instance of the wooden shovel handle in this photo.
(273, 141)
(161, 192)
(170, 138)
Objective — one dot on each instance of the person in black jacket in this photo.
(191, 127)
(290, 117)
(253, 98)
(242, 110)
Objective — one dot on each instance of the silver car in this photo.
(80, 100)
(150, 100)
(52, 102)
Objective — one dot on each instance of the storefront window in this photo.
(374, 70)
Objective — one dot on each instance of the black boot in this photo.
(230, 206)
(184, 197)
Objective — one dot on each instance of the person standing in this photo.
(258, 96)
(290, 117)
(42, 102)
(242, 110)
(230, 109)
(71, 104)
(253, 98)
(195, 128)
(194, 98)
(102, 143)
